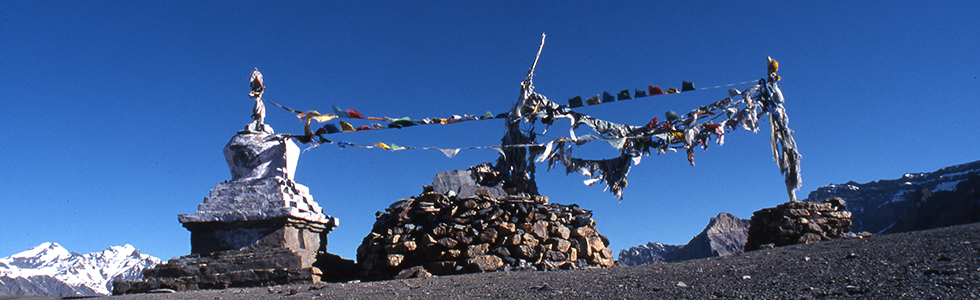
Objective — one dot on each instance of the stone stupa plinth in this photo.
(260, 228)
(261, 206)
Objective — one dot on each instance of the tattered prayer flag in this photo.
(340, 112)
(593, 101)
(324, 118)
(451, 152)
(655, 90)
(382, 146)
(575, 102)
(306, 114)
(316, 116)
(606, 97)
(623, 95)
(672, 91)
(346, 127)
(396, 147)
(354, 114)
(687, 86)
(487, 116)
(363, 127)
(640, 93)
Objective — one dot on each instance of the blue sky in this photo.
(115, 113)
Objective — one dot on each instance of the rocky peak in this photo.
(725, 235)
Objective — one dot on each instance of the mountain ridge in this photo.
(878, 205)
(915, 201)
(49, 269)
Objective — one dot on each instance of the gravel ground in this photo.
(934, 264)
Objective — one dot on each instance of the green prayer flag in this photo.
(623, 95)
(687, 86)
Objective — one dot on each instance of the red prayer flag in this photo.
(354, 114)
(655, 90)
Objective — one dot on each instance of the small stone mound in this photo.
(446, 234)
(798, 222)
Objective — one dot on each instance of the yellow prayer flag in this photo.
(346, 127)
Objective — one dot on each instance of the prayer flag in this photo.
(640, 93)
(623, 95)
(655, 90)
(346, 127)
(451, 152)
(354, 114)
(331, 128)
(606, 97)
(593, 101)
(575, 102)
(687, 86)
(340, 112)
(403, 122)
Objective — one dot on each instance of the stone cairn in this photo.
(481, 229)
(260, 228)
(798, 222)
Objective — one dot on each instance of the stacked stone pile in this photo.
(798, 222)
(447, 234)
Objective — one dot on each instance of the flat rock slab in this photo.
(462, 183)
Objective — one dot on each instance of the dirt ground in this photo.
(934, 264)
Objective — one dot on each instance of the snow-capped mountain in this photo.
(50, 270)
